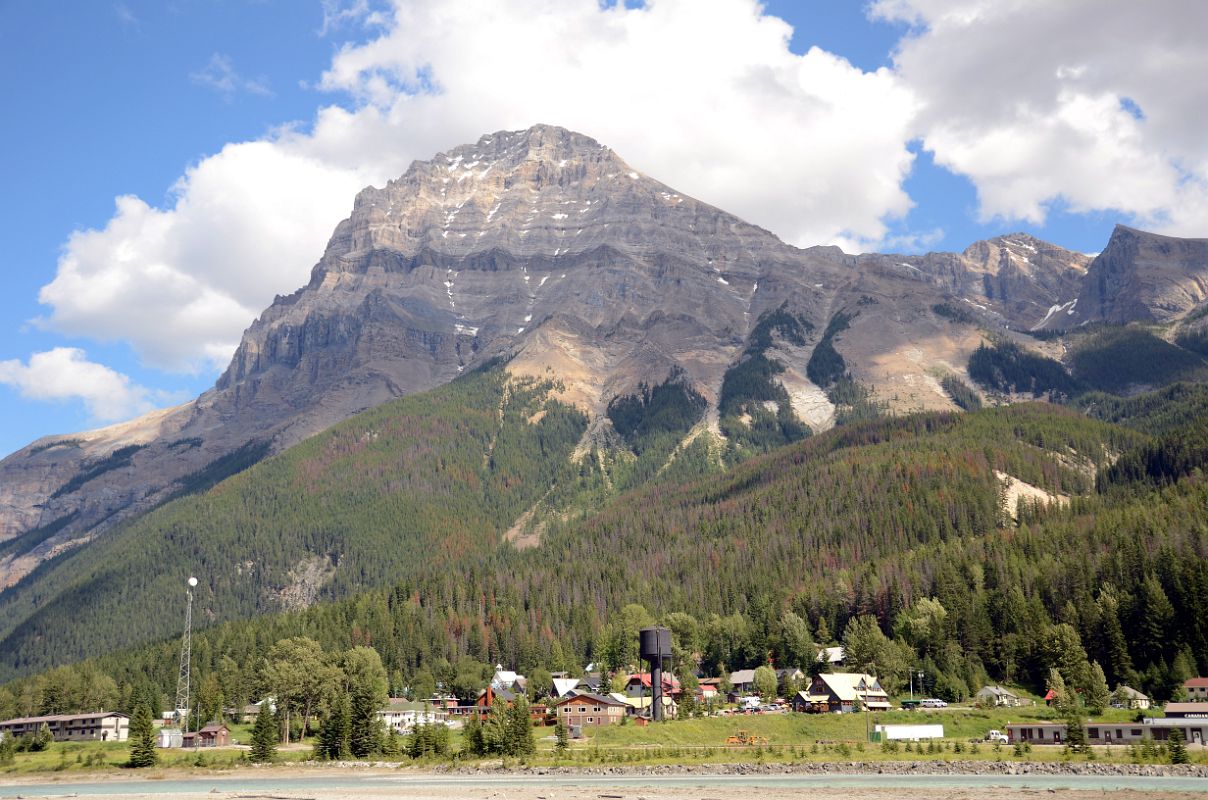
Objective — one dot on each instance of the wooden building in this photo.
(586, 709)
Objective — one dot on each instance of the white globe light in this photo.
(192, 581)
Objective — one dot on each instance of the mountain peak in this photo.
(545, 189)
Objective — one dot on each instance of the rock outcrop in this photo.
(543, 247)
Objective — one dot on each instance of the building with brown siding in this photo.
(586, 709)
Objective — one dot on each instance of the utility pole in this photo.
(186, 658)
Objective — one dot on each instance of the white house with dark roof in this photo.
(996, 696)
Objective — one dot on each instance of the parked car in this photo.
(997, 736)
(933, 702)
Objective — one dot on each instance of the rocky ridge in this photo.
(544, 248)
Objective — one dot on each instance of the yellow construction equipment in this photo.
(745, 738)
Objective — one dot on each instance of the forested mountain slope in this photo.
(878, 520)
(423, 484)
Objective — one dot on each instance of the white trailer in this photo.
(910, 733)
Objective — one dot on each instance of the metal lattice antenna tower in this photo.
(186, 657)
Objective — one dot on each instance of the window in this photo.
(1093, 733)
(1135, 732)
(1119, 733)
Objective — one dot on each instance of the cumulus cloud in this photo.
(705, 96)
(181, 284)
(219, 74)
(65, 373)
(1082, 103)
(1037, 103)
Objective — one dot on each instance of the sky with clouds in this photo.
(170, 167)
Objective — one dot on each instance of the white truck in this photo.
(997, 736)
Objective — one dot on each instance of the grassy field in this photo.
(805, 729)
(793, 738)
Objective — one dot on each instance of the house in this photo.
(1197, 689)
(743, 681)
(507, 679)
(590, 682)
(789, 677)
(213, 735)
(403, 715)
(1049, 697)
(640, 683)
(842, 692)
(640, 706)
(996, 696)
(831, 656)
(587, 709)
(100, 726)
(487, 697)
(1186, 710)
(706, 692)
(1127, 697)
(564, 686)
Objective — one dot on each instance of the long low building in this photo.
(99, 726)
(1156, 728)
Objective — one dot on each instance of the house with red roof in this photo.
(1197, 689)
(640, 684)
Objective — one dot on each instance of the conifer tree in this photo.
(264, 737)
(142, 738)
(336, 730)
(519, 739)
(1178, 748)
(561, 736)
(1098, 695)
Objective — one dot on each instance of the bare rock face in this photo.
(1145, 277)
(545, 248)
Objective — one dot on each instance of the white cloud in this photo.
(702, 94)
(219, 74)
(338, 13)
(65, 373)
(181, 284)
(1037, 102)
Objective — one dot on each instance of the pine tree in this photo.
(334, 735)
(518, 739)
(561, 736)
(264, 737)
(142, 738)
(472, 738)
(1098, 695)
(1178, 748)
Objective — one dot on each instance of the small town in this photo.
(761, 714)
(604, 399)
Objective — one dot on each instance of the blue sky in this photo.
(111, 99)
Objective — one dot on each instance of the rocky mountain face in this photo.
(544, 248)
(1145, 277)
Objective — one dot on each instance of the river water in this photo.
(330, 783)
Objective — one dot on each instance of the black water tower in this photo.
(654, 645)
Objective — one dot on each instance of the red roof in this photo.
(645, 679)
(1050, 695)
(1196, 683)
